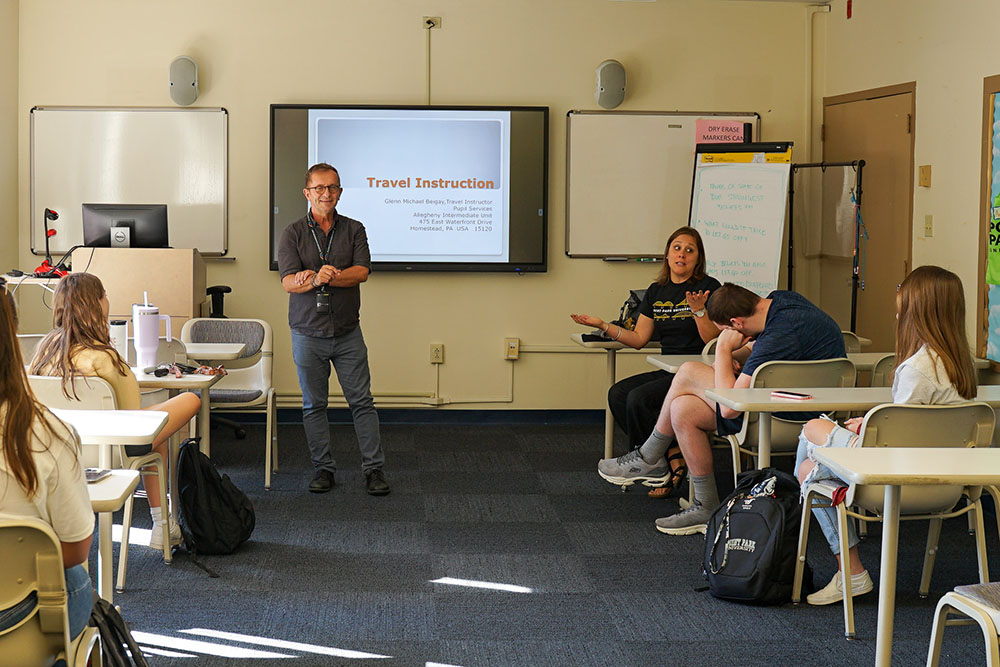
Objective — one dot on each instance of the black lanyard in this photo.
(329, 241)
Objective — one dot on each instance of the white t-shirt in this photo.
(923, 380)
(61, 499)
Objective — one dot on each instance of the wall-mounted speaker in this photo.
(183, 81)
(610, 84)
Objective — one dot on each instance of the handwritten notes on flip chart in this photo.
(738, 204)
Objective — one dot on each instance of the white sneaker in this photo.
(834, 591)
(156, 535)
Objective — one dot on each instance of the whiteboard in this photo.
(176, 157)
(738, 204)
(628, 178)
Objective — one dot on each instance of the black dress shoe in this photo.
(321, 482)
(375, 481)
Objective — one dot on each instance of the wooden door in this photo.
(877, 127)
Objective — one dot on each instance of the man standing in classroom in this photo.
(323, 258)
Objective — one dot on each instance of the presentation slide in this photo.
(429, 185)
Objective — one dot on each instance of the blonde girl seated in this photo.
(937, 369)
(80, 345)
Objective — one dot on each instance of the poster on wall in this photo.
(993, 240)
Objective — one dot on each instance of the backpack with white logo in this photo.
(752, 540)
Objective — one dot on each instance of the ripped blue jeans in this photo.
(827, 516)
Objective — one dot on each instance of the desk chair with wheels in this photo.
(786, 374)
(33, 564)
(915, 427)
(248, 386)
(95, 394)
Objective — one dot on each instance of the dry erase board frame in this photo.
(740, 210)
(628, 178)
(139, 155)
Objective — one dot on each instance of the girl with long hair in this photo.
(80, 345)
(673, 309)
(41, 476)
(937, 369)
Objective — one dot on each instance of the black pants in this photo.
(635, 403)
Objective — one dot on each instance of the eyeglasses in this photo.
(320, 189)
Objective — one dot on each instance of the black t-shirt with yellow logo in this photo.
(672, 319)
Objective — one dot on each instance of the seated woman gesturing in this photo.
(674, 308)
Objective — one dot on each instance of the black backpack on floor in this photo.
(752, 540)
(215, 516)
(118, 647)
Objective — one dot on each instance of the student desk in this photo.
(105, 428)
(824, 399)
(611, 347)
(214, 351)
(108, 496)
(898, 466)
(189, 381)
(863, 361)
(13, 282)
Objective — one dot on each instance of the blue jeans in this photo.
(827, 516)
(80, 600)
(349, 356)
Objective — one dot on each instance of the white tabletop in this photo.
(863, 361)
(114, 427)
(597, 344)
(824, 399)
(214, 351)
(170, 381)
(969, 466)
(109, 494)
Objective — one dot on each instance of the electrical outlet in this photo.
(928, 225)
(511, 348)
(437, 353)
(430, 22)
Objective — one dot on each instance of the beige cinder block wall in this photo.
(8, 134)
(687, 55)
(947, 48)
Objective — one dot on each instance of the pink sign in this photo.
(716, 131)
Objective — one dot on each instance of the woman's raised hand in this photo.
(587, 320)
(696, 300)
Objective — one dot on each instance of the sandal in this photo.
(678, 474)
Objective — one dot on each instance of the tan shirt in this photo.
(98, 363)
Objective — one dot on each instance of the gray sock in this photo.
(655, 447)
(705, 492)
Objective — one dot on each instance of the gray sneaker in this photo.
(689, 521)
(631, 468)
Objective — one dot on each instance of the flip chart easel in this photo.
(739, 195)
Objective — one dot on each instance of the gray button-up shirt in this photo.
(297, 251)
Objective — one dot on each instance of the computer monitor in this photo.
(125, 225)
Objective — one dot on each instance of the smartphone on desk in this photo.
(794, 395)
(96, 474)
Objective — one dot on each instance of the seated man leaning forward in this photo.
(784, 326)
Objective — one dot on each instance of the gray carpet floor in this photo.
(346, 579)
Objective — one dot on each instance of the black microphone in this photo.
(49, 215)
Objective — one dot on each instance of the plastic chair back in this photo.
(851, 341)
(786, 374)
(32, 562)
(882, 371)
(918, 426)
